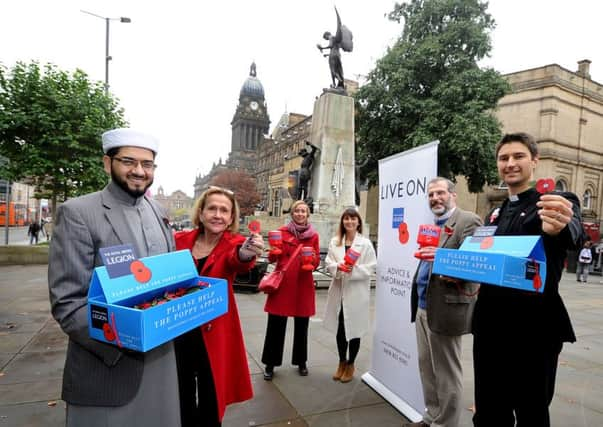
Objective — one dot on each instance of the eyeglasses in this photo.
(128, 162)
(222, 189)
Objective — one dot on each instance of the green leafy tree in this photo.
(244, 188)
(50, 127)
(428, 86)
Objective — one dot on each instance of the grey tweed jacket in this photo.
(95, 374)
(450, 306)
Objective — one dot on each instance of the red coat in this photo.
(223, 337)
(295, 296)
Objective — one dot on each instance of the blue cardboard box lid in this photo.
(155, 272)
(519, 246)
(510, 261)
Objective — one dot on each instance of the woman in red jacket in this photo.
(295, 296)
(211, 359)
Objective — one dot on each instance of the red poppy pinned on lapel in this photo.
(494, 215)
(448, 230)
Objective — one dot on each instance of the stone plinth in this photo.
(333, 175)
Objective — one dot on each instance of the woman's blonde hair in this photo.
(296, 204)
(200, 205)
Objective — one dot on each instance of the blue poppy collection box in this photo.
(511, 261)
(112, 297)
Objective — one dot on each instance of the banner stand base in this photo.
(392, 398)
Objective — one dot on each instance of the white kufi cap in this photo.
(126, 137)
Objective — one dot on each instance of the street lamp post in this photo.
(107, 56)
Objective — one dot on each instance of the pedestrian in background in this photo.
(47, 228)
(585, 259)
(33, 231)
(295, 296)
(347, 308)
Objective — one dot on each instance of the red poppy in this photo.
(545, 185)
(108, 332)
(448, 230)
(403, 235)
(141, 273)
(487, 242)
(254, 227)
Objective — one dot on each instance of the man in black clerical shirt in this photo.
(518, 335)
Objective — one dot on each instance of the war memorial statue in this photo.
(305, 171)
(341, 40)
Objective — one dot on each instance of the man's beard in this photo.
(441, 209)
(124, 186)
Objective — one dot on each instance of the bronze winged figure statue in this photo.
(342, 39)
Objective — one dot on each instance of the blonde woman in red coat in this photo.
(211, 359)
(295, 296)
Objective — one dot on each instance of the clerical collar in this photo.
(443, 218)
(521, 196)
(122, 196)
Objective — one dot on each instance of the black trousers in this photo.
(342, 342)
(274, 343)
(198, 401)
(514, 380)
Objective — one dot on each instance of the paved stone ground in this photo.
(32, 352)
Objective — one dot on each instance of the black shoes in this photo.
(303, 370)
(269, 373)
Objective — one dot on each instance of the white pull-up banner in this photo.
(403, 206)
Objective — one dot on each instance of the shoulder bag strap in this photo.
(295, 252)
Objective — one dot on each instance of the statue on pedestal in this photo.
(341, 40)
(305, 171)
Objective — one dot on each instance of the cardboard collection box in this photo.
(114, 292)
(511, 261)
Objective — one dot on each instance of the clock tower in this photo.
(249, 124)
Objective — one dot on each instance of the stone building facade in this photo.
(563, 110)
(178, 204)
(271, 159)
(279, 161)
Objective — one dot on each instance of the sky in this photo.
(178, 67)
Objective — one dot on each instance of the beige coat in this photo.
(351, 289)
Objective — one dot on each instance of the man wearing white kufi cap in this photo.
(103, 384)
(129, 137)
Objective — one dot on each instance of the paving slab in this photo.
(49, 338)
(32, 352)
(268, 406)
(37, 414)
(34, 367)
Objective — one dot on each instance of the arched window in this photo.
(587, 199)
(561, 185)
